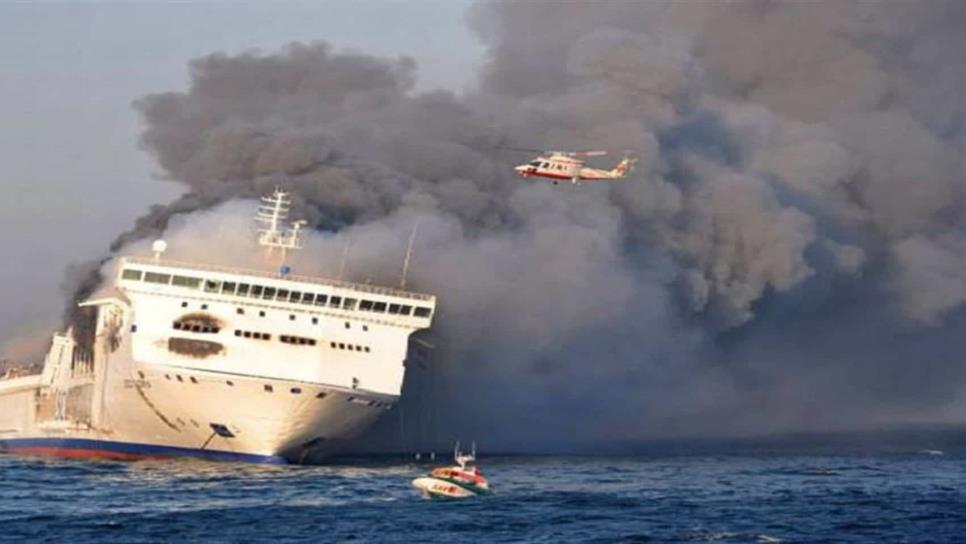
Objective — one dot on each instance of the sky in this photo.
(72, 173)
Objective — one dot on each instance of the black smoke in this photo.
(789, 254)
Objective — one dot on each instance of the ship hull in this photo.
(185, 361)
(143, 411)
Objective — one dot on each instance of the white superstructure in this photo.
(187, 359)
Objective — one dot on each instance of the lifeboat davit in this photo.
(455, 482)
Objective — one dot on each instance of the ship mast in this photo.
(273, 232)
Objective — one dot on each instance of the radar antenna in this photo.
(272, 217)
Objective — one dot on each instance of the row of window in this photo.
(254, 335)
(297, 340)
(284, 338)
(350, 347)
(194, 327)
(280, 295)
(548, 165)
(269, 388)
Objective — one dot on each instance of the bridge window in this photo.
(422, 312)
(535, 163)
(185, 281)
(282, 295)
(296, 296)
(405, 310)
(256, 291)
(349, 304)
(228, 288)
(335, 302)
(154, 277)
(212, 286)
(394, 308)
(379, 307)
(242, 290)
(365, 305)
(269, 293)
(308, 298)
(131, 274)
(320, 300)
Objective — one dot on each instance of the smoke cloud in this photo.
(789, 254)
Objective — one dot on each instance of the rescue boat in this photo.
(456, 482)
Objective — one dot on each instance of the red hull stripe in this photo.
(82, 448)
(83, 454)
(558, 176)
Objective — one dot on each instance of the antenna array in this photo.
(272, 217)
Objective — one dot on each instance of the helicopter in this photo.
(562, 165)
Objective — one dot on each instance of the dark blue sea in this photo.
(914, 496)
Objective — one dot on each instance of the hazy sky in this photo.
(68, 133)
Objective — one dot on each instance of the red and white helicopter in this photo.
(560, 165)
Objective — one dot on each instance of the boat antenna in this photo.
(409, 254)
(273, 233)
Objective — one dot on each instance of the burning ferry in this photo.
(184, 359)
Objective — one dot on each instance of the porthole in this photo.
(141, 374)
(347, 325)
(184, 304)
(230, 383)
(193, 379)
(295, 391)
(268, 388)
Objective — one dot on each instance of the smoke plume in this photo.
(789, 254)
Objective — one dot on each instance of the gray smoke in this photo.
(789, 254)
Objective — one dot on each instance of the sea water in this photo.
(854, 497)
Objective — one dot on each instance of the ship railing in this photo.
(366, 288)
